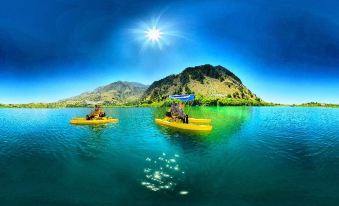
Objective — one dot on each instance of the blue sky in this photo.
(284, 51)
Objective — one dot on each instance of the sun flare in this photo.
(153, 34)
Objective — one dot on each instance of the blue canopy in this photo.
(183, 97)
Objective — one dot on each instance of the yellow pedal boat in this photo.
(194, 120)
(179, 125)
(102, 120)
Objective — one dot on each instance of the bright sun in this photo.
(153, 34)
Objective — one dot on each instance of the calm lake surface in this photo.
(253, 156)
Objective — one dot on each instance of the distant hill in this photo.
(213, 85)
(116, 93)
(205, 80)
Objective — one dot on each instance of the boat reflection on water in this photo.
(163, 173)
(98, 128)
(95, 142)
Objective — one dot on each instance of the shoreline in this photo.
(199, 102)
(151, 106)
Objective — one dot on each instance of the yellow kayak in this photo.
(195, 120)
(179, 125)
(102, 120)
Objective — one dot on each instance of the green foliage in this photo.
(213, 101)
(188, 90)
(184, 79)
(178, 90)
(317, 104)
(199, 76)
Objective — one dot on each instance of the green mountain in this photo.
(116, 93)
(206, 80)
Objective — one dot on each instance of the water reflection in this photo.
(99, 128)
(92, 145)
(162, 173)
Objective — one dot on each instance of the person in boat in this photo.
(172, 111)
(177, 111)
(98, 112)
(183, 115)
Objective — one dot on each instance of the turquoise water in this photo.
(253, 156)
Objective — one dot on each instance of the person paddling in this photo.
(98, 112)
(178, 112)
